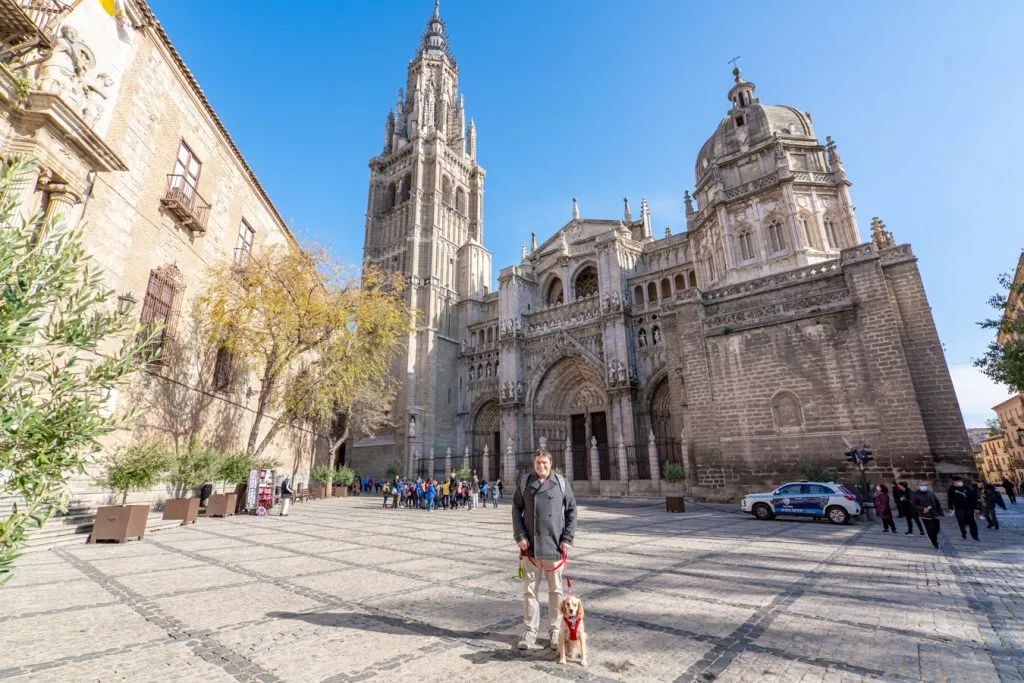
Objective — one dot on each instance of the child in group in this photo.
(494, 497)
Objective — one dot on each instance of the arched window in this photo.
(693, 279)
(638, 296)
(389, 197)
(586, 282)
(830, 233)
(809, 231)
(641, 338)
(406, 188)
(776, 236)
(786, 411)
(666, 289)
(446, 190)
(460, 201)
(680, 282)
(555, 295)
(652, 293)
(489, 337)
(745, 238)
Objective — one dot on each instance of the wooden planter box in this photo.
(319, 493)
(341, 491)
(675, 504)
(221, 505)
(185, 509)
(119, 523)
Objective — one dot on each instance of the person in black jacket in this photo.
(286, 496)
(926, 504)
(991, 499)
(901, 494)
(963, 501)
(1010, 492)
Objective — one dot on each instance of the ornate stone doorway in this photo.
(571, 403)
(487, 432)
(661, 424)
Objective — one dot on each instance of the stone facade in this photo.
(1011, 416)
(764, 335)
(127, 143)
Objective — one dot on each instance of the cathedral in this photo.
(764, 337)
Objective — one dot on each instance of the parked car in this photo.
(805, 499)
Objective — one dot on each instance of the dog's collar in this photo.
(574, 625)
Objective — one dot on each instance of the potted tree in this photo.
(323, 475)
(232, 469)
(675, 474)
(190, 469)
(138, 467)
(344, 475)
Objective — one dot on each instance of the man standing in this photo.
(963, 501)
(286, 496)
(926, 504)
(1010, 492)
(544, 523)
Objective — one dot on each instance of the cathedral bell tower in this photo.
(424, 218)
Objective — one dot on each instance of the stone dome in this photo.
(748, 124)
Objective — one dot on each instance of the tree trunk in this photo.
(124, 497)
(266, 385)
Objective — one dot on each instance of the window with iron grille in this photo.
(223, 370)
(160, 305)
(243, 247)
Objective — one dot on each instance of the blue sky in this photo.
(601, 99)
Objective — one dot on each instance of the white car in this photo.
(806, 499)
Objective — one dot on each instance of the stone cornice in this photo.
(818, 271)
(778, 312)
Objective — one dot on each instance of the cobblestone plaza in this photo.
(342, 590)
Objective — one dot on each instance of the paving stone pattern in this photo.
(342, 590)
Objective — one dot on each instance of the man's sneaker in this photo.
(554, 639)
(527, 643)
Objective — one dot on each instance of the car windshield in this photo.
(843, 489)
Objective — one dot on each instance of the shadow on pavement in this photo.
(389, 625)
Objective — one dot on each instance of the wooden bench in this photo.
(301, 495)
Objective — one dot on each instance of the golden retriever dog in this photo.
(572, 638)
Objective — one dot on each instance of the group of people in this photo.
(968, 503)
(450, 494)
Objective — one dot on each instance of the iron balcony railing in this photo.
(186, 203)
(29, 27)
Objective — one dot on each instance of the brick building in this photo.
(763, 335)
(127, 142)
(1011, 417)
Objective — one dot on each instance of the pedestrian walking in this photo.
(386, 488)
(928, 509)
(1011, 492)
(396, 493)
(286, 496)
(431, 496)
(901, 494)
(992, 499)
(544, 524)
(963, 501)
(882, 508)
(494, 497)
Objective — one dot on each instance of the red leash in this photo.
(563, 563)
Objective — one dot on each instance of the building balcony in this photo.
(186, 203)
(27, 25)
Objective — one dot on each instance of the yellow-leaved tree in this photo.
(317, 335)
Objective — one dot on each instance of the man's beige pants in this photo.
(532, 577)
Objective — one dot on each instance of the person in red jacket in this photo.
(883, 509)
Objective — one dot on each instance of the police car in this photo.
(804, 498)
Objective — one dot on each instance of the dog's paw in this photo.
(583, 662)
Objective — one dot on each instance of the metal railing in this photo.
(186, 202)
(45, 14)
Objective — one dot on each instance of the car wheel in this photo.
(763, 512)
(838, 515)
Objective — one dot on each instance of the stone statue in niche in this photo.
(462, 346)
(412, 426)
(656, 335)
(642, 337)
(620, 373)
(519, 391)
(62, 73)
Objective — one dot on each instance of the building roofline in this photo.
(1015, 397)
(151, 20)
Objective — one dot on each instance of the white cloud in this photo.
(977, 394)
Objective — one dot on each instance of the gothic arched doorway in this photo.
(661, 424)
(486, 432)
(570, 403)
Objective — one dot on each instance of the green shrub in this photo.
(193, 466)
(344, 475)
(234, 468)
(812, 470)
(674, 472)
(392, 472)
(323, 475)
(463, 474)
(138, 467)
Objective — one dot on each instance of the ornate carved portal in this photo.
(665, 435)
(571, 403)
(487, 432)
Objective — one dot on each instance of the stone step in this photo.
(75, 529)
